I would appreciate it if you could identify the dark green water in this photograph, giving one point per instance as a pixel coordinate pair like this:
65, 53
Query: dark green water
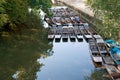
19, 54
31, 56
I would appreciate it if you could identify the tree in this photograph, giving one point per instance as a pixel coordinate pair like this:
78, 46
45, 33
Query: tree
42, 4
17, 10
108, 12
14, 13
3, 16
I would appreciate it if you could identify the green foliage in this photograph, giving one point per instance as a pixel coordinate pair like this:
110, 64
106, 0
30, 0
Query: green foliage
42, 4
3, 15
108, 12
14, 13
3, 19
16, 10
20, 53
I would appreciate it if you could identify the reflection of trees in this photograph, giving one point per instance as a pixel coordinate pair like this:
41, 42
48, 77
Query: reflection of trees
20, 53
97, 75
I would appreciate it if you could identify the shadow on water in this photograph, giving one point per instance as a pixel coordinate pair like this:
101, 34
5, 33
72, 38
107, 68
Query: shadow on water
19, 54
98, 74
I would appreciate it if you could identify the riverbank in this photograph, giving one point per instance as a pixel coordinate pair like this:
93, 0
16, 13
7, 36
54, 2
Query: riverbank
80, 5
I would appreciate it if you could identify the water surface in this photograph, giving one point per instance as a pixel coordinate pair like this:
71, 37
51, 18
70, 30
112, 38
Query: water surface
70, 61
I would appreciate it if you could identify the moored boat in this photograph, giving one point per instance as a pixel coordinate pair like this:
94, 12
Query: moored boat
72, 37
58, 35
104, 52
94, 33
78, 34
95, 54
86, 34
113, 72
110, 43
51, 34
65, 33
72, 34
115, 54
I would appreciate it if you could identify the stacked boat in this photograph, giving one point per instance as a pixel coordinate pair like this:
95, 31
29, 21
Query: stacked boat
66, 24
51, 34
110, 55
95, 54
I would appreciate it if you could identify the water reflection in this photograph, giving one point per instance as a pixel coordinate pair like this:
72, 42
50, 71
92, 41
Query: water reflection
19, 54
70, 61
98, 74
26, 58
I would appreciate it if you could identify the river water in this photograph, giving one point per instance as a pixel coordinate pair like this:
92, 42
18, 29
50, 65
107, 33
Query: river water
70, 61
30, 56
33, 57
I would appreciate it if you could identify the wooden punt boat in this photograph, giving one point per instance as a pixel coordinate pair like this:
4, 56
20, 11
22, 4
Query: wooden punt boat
65, 37
99, 40
104, 52
72, 37
94, 33
78, 34
95, 54
51, 34
107, 58
102, 47
86, 34
97, 36
65, 33
72, 34
113, 72
58, 35
48, 20
115, 54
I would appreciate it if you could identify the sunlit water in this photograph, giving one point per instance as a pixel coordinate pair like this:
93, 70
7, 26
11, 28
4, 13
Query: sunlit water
70, 61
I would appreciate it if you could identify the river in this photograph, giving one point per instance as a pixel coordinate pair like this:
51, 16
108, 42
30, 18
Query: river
30, 56
70, 61
35, 58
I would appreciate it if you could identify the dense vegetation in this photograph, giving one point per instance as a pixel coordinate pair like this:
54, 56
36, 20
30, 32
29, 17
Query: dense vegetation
108, 13
14, 13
